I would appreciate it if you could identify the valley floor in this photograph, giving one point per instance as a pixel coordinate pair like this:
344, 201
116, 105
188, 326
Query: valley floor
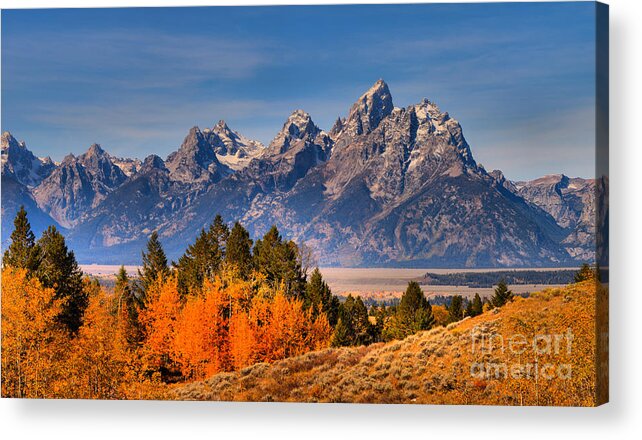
378, 284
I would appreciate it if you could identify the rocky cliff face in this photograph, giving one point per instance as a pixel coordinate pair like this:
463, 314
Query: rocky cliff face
20, 163
78, 185
195, 162
386, 186
571, 202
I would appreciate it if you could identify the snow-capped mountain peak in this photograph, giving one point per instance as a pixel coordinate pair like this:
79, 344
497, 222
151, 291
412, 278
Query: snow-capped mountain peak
231, 148
21, 163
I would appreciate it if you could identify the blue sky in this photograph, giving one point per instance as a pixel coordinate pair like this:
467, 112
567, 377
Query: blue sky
518, 77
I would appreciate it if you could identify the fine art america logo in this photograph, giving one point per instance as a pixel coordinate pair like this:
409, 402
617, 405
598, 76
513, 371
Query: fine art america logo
521, 356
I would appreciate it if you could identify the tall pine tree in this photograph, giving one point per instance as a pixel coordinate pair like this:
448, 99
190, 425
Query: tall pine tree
456, 308
279, 261
413, 314
23, 252
59, 270
154, 265
469, 308
477, 306
353, 326
239, 250
319, 297
203, 258
127, 308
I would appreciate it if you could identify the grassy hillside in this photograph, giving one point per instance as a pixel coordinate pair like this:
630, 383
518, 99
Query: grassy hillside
534, 351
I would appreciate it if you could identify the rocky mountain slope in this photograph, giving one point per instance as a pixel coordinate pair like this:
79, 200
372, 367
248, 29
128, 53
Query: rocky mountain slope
571, 202
386, 186
20, 163
456, 365
78, 185
21, 172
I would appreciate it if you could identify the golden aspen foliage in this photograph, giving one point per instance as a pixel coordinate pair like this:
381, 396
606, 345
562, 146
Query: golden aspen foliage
242, 340
441, 314
200, 341
32, 345
320, 332
99, 364
159, 321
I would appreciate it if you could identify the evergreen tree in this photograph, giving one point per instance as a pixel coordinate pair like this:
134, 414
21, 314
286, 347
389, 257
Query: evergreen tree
455, 309
342, 336
319, 297
502, 295
219, 233
127, 307
477, 306
239, 250
469, 309
353, 325
380, 314
59, 270
279, 261
154, 265
122, 288
360, 322
413, 314
203, 258
23, 252
585, 273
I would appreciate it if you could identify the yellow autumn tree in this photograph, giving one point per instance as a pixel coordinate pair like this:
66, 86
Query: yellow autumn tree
99, 363
320, 331
33, 346
282, 328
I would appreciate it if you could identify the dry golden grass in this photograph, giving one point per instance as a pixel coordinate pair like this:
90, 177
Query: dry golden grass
437, 366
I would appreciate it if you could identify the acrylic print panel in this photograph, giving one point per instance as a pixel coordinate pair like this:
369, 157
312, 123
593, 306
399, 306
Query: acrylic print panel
357, 252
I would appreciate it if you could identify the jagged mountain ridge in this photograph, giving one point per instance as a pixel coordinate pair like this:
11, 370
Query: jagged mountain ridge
571, 202
78, 185
20, 163
385, 186
385, 195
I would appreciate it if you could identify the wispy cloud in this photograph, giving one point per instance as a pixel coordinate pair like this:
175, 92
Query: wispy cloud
120, 58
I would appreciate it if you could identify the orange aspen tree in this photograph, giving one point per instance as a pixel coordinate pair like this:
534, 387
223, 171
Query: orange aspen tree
32, 344
260, 316
242, 341
215, 308
159, 320
201, 346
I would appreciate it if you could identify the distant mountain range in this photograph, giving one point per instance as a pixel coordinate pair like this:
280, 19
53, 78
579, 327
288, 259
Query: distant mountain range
386, 186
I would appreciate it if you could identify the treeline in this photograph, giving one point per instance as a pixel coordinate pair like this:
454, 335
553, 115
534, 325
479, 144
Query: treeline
489, 279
